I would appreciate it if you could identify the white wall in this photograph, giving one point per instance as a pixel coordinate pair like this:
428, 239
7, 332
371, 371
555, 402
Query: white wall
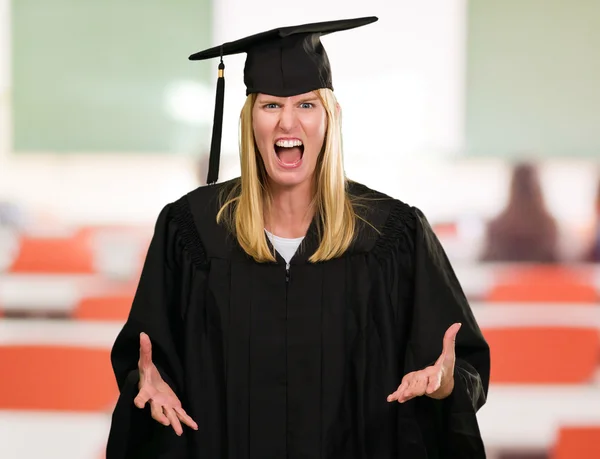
5, 31
400, 84
89, 188
399, 79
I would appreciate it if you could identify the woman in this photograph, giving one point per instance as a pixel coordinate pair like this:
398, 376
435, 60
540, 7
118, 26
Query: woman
592, 252
292, 313
525, 231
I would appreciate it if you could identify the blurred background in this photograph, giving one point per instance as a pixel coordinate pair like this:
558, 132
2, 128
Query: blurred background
484, 114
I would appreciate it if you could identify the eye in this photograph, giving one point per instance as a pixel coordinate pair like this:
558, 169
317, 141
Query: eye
271, 105
306, 105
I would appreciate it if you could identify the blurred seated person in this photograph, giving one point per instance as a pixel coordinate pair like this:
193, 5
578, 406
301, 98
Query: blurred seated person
524, 231
592, 254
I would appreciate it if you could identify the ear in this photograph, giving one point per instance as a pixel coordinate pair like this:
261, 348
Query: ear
338, 109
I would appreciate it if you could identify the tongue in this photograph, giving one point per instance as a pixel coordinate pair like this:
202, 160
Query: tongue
289, 155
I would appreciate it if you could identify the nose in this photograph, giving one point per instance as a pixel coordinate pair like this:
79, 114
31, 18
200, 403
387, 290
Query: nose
288, 118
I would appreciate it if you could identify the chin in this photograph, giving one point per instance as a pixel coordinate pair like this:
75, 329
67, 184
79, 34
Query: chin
289, 180
289, 177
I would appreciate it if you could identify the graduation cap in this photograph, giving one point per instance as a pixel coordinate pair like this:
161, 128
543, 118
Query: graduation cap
282, 62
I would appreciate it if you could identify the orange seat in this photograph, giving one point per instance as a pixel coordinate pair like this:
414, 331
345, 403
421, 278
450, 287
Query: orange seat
577, 443
65, 255
58, 378
445, 229
119, 247
544, 284
543, 355
114, 307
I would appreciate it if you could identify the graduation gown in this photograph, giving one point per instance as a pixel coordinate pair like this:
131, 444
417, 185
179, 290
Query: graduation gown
278, 364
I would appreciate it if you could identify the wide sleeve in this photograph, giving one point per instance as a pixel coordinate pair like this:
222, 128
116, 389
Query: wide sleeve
157, 310
438, 302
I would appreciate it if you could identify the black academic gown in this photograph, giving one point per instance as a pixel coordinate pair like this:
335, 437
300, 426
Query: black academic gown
298, 365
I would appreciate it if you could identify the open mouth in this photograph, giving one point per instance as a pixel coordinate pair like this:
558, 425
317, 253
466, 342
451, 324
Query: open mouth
289, 152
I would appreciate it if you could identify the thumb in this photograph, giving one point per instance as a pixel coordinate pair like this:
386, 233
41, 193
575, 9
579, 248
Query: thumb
145, 350
448, 352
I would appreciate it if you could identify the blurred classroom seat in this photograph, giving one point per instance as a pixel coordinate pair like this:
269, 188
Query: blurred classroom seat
64, 295
119, 250
543, 334
543, 354
577, 442
56, 377
104, 308
52, 434
523, 418
518, 283
445, 230
57, 389
54, 255
543, 284
114, 251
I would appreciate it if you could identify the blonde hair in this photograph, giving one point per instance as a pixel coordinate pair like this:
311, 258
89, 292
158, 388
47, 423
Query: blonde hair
244, 205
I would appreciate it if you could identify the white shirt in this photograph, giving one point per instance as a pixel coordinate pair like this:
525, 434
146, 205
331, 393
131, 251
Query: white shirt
286, 247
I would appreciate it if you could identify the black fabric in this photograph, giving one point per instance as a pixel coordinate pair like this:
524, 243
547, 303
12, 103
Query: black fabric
287, 60
299, 369
215, 143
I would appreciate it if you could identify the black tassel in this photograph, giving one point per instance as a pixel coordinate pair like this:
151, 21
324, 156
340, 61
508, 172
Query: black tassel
215, 144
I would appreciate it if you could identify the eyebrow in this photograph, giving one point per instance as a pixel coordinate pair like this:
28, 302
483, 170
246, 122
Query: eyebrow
279, 102
269, 101
309, 99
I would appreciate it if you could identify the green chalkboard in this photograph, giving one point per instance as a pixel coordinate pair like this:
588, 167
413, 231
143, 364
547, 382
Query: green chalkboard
110, 75
533, 78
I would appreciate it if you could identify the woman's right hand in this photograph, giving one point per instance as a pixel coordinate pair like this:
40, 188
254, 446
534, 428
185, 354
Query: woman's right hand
164, 404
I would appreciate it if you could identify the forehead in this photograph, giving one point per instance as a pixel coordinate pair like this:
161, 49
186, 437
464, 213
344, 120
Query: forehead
296, 98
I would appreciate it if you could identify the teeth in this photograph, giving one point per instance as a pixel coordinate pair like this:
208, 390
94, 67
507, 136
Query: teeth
289, 143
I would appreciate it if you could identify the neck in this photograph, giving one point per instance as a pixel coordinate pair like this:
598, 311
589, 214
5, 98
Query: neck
291, 211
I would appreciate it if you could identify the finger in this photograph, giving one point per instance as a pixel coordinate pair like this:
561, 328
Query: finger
185, 418
440, 359
416, 389
158, 414
409, 389
145, 350
142, 397
406, 382
401, 388
173, 420
449, 342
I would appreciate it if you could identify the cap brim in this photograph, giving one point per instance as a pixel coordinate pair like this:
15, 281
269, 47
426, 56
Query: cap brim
244, 44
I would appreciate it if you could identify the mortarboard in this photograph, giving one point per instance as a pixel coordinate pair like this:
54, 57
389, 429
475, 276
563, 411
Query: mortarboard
281, 62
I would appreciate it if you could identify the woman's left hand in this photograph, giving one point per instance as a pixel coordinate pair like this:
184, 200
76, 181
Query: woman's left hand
435, 381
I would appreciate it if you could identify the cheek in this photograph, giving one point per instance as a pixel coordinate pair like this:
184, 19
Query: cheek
262, 134
316, 130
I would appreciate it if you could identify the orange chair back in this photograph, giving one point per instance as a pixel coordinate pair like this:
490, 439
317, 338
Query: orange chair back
58, 378
543, 355
577, 443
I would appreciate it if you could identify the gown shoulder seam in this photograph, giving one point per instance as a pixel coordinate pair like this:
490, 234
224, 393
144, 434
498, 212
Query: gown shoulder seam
396, 233
183, 218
